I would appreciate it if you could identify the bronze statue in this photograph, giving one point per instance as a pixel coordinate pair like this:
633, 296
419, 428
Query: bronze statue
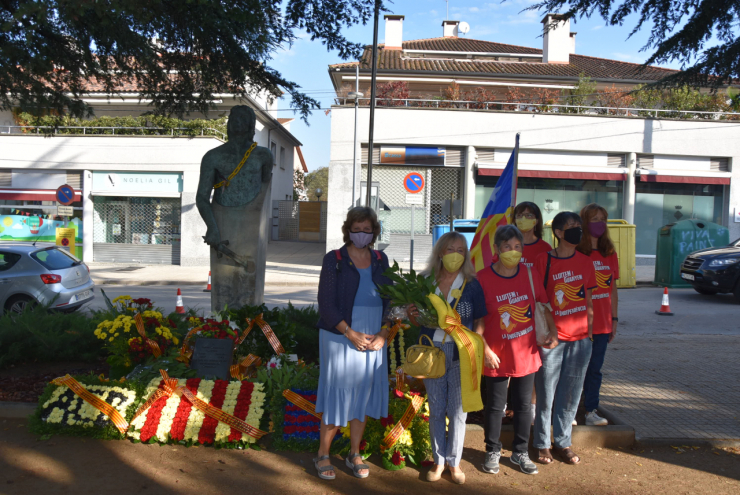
240, 173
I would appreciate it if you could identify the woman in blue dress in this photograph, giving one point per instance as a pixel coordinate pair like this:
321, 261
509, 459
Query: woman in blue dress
353, 382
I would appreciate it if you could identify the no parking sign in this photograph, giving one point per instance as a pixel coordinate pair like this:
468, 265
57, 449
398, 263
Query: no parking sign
413, 182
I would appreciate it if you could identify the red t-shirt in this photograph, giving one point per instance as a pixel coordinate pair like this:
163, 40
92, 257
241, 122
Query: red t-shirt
567, 284
607, 274
531, 251
510, 321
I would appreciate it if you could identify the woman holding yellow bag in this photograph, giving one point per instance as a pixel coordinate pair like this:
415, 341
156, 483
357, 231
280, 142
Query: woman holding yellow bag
450, 265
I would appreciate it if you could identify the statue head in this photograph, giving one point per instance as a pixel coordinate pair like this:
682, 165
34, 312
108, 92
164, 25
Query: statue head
241, 123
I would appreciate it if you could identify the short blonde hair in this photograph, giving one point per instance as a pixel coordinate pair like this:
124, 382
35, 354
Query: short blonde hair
361, 214
434, 265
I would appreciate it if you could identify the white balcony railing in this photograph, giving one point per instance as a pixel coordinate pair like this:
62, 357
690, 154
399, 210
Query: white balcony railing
540, 108
111, 131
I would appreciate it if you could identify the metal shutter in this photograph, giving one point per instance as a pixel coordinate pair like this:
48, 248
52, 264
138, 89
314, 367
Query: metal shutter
719, 164
150, 254
6, 178
485, 154
615, 160
74, 180
645, 161
376, 154
455, 157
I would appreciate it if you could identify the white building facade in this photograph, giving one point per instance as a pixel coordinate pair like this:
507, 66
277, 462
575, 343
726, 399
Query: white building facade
650, 170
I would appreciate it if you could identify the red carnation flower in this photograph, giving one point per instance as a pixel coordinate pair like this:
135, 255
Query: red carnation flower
397, 459
387, 421
398, 393
363, 444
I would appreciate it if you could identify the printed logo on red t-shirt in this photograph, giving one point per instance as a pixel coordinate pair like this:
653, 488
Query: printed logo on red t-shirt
512, 317
604, 278
566, 292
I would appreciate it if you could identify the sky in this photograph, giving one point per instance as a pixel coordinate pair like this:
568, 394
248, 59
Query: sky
306, 62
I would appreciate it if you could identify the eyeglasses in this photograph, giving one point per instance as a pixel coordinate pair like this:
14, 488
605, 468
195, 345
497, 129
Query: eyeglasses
528, 216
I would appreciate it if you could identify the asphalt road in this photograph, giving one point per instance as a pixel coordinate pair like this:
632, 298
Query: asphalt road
694, 314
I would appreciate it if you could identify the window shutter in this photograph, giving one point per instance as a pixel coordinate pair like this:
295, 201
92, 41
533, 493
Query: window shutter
719, 164
6, 178
376, 154
615, 160
454, 157
645, 161
74, 179
485, 154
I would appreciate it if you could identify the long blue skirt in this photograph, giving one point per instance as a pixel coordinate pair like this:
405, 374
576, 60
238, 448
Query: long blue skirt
352, 384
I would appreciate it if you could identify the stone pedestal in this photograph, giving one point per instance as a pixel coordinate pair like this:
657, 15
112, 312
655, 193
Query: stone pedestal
246, 229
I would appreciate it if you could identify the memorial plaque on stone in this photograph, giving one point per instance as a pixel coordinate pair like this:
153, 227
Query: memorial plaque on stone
212, 358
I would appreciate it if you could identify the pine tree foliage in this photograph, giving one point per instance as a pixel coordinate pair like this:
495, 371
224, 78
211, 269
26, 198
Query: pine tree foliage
180, 54
702, 35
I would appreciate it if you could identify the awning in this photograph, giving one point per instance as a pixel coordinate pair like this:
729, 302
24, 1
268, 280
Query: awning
559, 174
33, 194
679, 177
136, 194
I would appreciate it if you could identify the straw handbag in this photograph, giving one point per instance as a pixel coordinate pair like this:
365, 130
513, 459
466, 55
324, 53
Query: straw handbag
425, 361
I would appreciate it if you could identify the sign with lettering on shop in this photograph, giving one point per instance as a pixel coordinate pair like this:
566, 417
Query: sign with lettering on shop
130, 182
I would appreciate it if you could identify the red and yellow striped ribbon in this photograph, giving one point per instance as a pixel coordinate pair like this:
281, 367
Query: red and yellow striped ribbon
152, 345
186, 351
237, 370
455, 325
393, 331
392, 437
118, 421
271, 337
400, 375
170, 388
301, 402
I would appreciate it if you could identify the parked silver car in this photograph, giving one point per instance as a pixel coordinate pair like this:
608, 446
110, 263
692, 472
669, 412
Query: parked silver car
42, 274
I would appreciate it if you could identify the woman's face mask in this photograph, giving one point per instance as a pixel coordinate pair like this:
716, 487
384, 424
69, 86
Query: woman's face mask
573, 235
510, 258
597, 229
526, 224
453, 261
361, 239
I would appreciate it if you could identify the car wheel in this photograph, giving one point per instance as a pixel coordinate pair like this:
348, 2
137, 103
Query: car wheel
19, 304
706, 292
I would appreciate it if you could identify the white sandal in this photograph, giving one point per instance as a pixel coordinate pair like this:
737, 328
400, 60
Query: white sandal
323, 469
357, 467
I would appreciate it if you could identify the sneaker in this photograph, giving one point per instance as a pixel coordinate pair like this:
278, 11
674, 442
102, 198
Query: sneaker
524, 463
593, 419
490, 465
574, 423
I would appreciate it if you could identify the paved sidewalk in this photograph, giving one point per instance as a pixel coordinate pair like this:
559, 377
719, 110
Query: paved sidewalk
288, 263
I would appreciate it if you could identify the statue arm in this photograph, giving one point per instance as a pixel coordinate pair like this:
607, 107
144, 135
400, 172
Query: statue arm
203, 202
266, 166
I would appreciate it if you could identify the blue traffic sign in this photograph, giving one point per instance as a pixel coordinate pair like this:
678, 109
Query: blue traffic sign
413, 182
65, 195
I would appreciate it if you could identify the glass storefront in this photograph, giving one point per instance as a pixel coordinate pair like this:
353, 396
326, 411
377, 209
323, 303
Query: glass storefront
26, 220
556, 195
661, 203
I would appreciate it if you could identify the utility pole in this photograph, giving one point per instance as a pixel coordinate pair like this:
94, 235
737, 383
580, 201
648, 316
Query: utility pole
373, 78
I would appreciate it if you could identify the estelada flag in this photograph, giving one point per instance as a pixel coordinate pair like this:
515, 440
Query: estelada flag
498, 212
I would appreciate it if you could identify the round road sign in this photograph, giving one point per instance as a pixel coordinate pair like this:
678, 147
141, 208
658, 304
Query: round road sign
65, 242
413, 182
65, 195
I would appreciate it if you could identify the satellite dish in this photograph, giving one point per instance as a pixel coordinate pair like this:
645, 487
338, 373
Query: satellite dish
463, 27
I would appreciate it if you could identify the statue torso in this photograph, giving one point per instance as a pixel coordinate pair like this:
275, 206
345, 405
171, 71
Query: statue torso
246, 185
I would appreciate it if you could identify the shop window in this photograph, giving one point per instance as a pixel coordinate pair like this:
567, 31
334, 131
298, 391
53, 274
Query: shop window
660, 203
556, 195
121, 220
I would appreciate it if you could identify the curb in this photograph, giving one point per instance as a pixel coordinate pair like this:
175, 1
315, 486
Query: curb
690, 442
583, 436
16, 410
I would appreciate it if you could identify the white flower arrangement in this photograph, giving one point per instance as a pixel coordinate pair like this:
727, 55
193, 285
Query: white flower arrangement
65, 408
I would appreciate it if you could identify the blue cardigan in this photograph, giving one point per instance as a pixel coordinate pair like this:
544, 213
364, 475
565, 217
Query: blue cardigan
338, 286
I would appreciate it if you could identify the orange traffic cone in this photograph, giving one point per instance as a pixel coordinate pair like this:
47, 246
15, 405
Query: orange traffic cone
208, 287
665, 308
179, 308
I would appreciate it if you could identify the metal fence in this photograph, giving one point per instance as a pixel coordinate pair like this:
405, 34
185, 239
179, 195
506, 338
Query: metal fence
289, 221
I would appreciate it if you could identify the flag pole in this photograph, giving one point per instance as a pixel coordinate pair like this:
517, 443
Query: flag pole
514, 176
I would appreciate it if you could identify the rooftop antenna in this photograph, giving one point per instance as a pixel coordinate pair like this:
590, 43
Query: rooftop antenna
447, 3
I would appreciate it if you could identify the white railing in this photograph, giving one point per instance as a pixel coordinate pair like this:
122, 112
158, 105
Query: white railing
122, 130
537, 108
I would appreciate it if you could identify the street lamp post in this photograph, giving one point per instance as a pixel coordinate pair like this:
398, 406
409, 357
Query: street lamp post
373, 78
318, 193
356, 95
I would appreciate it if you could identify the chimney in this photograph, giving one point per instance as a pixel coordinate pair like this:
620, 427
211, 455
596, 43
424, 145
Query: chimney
573, 43
449, 29
393, 32
557, 44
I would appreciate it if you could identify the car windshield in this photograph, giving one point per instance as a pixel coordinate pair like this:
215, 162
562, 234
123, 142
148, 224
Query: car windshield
55, 259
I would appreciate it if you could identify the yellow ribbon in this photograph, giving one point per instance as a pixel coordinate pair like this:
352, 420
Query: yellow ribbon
237, 169
471, 348
301, 402
118, 421
237, 370
152, 345
266, 329
392, 437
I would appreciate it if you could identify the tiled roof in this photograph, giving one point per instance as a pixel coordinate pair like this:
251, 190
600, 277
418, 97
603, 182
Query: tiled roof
284, 121
596, 68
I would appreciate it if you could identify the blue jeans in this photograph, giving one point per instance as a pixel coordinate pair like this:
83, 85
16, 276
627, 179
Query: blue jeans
445, 401
592, 384
559, 384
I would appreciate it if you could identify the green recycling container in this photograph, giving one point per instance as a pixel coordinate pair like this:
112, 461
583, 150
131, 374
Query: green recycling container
678, 240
